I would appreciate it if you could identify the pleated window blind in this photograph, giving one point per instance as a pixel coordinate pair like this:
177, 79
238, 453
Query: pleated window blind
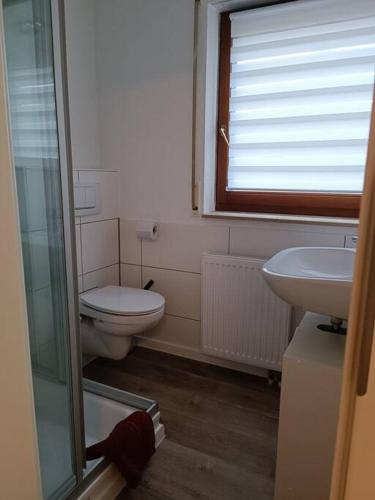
32, 95
300, 97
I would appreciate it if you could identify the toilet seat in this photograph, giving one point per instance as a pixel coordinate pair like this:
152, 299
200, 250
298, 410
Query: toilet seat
111, 315
132, 321
120, 301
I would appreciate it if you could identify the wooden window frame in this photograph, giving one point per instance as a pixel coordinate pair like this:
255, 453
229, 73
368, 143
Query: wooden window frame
281, 202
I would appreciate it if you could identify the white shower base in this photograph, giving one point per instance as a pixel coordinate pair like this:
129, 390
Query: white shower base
53, 417
101, 415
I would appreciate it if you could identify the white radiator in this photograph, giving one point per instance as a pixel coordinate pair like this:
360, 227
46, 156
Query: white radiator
242, 319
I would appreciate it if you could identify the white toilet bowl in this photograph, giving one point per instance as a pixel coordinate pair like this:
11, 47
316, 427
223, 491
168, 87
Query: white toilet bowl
112, 314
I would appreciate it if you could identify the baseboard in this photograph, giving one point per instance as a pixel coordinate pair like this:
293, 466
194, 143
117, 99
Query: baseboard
106, 486
196, 355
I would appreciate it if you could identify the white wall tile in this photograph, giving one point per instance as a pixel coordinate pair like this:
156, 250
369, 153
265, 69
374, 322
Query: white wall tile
179, 331
32, 199
44, 338
42, 316
101, 277
75, 180
182, 291
180, 246
263, 242
131, 275
36, 248
79, 249
130, 244
80, 284
99, 245
108, 193
47, 357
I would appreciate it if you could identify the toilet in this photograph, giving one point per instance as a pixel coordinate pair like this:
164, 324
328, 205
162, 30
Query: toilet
112, 314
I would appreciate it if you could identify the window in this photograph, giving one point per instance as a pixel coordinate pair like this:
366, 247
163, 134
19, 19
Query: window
295, 99
34, 131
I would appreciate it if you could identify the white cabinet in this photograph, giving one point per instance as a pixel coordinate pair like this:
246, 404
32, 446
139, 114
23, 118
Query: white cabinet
310, 395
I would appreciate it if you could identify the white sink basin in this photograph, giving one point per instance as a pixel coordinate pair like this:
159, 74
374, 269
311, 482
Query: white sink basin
316, 279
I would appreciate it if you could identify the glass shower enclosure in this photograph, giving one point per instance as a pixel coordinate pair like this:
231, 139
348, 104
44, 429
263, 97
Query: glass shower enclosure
39, 135
34, 32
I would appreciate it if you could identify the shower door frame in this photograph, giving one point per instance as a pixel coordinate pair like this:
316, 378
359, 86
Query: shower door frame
67, 190
73, 349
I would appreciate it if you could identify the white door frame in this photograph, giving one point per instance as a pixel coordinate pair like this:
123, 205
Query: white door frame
19, 471
353, 473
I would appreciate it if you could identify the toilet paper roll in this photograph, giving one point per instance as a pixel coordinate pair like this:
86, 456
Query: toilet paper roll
147, 231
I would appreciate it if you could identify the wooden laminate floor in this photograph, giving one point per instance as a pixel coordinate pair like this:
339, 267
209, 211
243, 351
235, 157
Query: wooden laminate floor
221, 427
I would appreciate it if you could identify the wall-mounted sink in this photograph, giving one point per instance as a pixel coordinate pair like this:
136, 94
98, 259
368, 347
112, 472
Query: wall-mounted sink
316, 279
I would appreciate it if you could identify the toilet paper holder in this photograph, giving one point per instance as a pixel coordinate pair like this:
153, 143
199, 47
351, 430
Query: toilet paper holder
147, 231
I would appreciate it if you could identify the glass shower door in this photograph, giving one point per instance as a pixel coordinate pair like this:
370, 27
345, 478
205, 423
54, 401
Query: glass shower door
36, 140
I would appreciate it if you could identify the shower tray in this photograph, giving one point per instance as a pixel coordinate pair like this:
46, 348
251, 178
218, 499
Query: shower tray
104, 407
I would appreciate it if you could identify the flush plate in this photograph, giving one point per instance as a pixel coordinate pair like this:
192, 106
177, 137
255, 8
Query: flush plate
86, 198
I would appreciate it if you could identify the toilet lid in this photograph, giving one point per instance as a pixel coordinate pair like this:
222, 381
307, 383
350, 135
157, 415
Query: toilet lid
123, 300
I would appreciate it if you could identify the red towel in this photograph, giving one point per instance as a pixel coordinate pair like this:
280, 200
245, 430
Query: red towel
130, 446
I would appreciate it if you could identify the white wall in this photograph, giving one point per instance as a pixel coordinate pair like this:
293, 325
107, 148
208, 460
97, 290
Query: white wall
80, 34
97, 236
144, 63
